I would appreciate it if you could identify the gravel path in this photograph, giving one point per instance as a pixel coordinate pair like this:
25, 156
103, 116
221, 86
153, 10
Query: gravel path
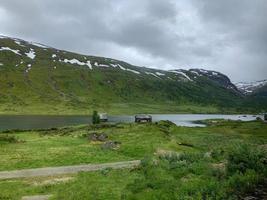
51, 171
37, 197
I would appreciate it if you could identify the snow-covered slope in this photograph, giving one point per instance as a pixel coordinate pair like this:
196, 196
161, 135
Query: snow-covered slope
250, 87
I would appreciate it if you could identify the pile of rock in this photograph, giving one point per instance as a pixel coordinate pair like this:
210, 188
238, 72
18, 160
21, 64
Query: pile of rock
111, 145
101, 137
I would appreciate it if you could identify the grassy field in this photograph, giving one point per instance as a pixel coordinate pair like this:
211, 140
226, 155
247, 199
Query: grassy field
113, 109
220, 161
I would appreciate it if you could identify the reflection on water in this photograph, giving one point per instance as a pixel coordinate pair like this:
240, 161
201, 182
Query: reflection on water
40, 122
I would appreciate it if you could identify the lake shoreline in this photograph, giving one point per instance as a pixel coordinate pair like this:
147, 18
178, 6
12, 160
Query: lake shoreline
42, 122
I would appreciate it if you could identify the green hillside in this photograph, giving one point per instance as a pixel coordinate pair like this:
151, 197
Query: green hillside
35, 79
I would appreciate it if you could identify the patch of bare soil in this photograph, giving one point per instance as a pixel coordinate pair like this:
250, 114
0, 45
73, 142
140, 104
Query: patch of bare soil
49, 180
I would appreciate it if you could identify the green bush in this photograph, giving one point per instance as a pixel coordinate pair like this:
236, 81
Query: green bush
173, 177
8, 139
95, 118
243, 183
245, 157
192, 176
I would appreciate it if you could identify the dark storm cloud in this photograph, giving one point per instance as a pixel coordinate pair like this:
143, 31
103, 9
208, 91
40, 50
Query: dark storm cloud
229, 36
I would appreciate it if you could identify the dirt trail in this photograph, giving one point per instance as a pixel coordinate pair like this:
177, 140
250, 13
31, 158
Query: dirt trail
37, 197
51, 171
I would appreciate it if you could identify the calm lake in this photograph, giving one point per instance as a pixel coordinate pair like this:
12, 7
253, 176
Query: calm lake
41, 121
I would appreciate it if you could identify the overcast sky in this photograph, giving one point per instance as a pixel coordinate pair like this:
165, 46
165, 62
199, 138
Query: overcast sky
229, 36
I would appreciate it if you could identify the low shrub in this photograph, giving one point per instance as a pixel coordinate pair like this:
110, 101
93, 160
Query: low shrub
192, 176
243, 157
243, 183
8, 139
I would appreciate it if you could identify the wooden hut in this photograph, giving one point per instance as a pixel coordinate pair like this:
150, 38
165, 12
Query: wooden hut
103, 117
143, 118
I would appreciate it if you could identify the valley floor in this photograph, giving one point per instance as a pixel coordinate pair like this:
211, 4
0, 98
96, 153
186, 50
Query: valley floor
225, 160
115, 109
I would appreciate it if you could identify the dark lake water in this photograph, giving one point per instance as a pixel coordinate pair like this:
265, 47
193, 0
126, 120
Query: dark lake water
41, 121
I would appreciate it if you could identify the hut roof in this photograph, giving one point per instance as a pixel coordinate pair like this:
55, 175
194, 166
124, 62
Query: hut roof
143, 116
103, 115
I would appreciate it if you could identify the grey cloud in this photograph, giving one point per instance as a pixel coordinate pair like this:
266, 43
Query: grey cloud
243, 21
243, 25
162, 10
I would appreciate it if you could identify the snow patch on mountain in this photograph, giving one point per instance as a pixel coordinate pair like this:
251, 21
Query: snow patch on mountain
18, 42
181, 73
103, 65
131, 70
160, 74
203, 71
100, 65
29, 67
150, 73
73, 61
88, 63
76, 61
39, 45
9, 49
31, 54
121, 67
118, 65
195, 72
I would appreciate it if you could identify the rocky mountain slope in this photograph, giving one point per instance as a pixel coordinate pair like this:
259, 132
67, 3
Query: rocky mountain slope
35, 78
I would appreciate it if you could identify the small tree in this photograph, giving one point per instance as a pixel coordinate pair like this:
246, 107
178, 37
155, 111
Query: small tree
95, 118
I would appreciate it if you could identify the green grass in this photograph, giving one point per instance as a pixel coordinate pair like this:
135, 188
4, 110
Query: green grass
55, 148
111, 108
181, 161
52, 149
97, 185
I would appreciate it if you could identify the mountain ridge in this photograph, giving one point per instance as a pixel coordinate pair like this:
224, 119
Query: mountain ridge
157, 72
78, 81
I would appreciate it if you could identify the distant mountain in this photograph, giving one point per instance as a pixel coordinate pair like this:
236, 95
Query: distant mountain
256, 94
35, 78
251, 87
